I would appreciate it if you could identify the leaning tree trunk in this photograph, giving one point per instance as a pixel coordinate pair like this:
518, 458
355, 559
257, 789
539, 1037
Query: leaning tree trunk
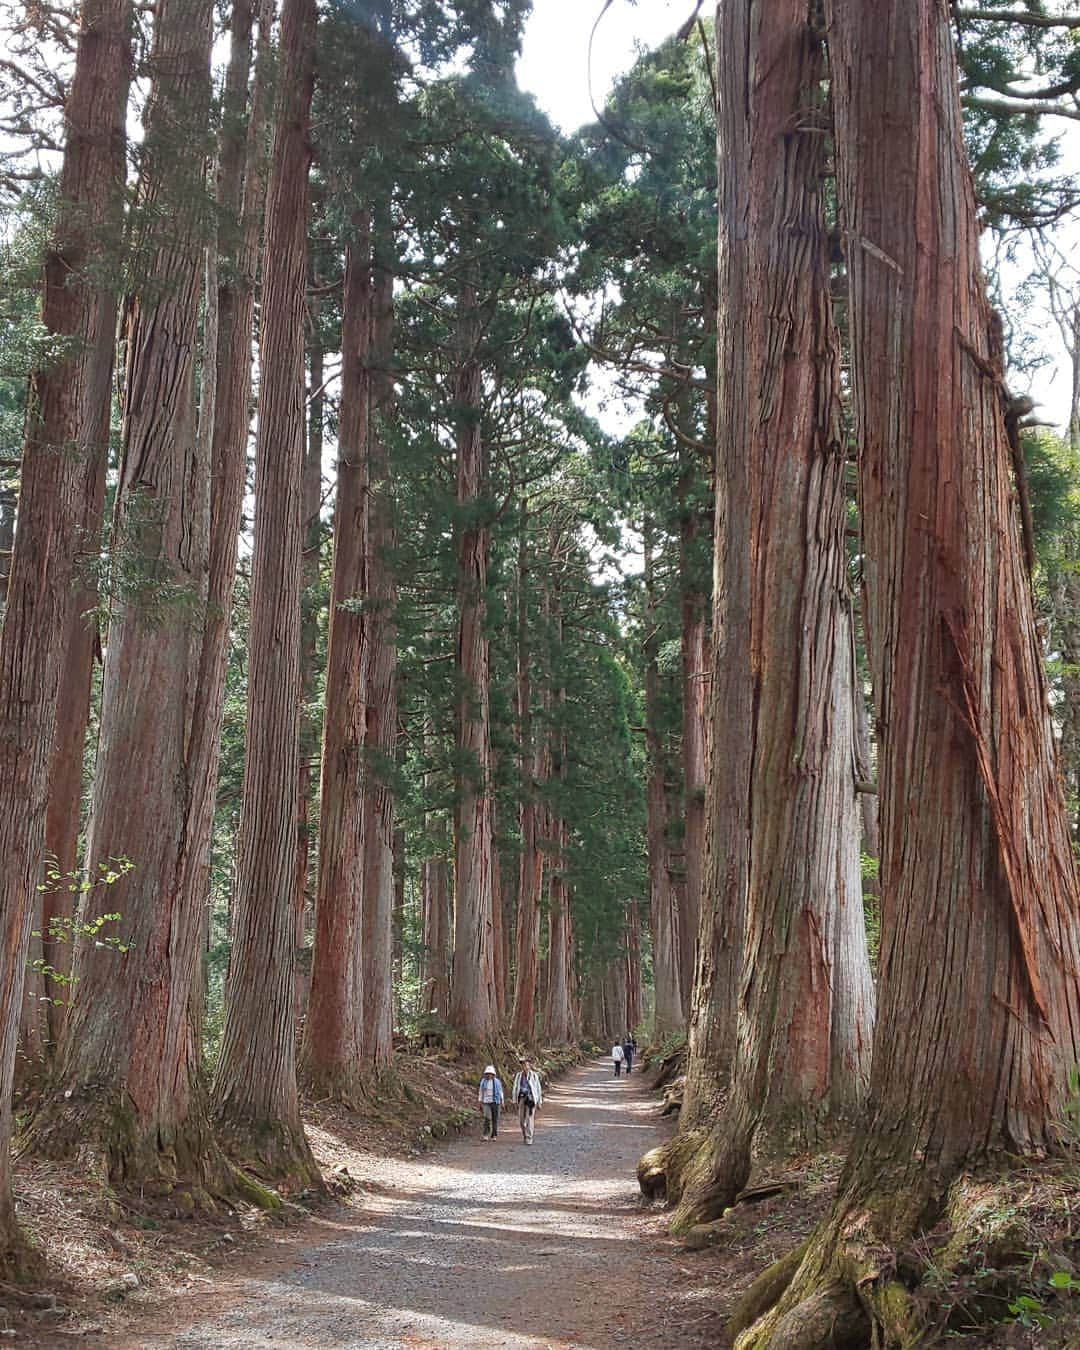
333, 1033
378, 660
255, 1093
979, 996
128, 1088
472, 997
64, 416
805, 1010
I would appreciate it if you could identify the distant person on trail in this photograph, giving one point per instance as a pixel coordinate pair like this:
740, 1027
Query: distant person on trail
490, 1098
629, 1046
526, 1092
617, 1058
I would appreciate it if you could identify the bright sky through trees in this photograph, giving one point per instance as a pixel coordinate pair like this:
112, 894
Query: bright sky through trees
555, 62
555, 66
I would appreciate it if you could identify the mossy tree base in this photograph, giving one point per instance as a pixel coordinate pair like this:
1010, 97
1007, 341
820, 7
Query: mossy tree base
180, 1167
879, 1271
272, 1153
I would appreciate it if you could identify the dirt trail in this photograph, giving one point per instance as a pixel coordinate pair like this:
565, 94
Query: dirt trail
489, 1244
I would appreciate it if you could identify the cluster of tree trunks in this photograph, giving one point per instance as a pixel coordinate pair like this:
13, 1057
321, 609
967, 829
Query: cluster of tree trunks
979, 988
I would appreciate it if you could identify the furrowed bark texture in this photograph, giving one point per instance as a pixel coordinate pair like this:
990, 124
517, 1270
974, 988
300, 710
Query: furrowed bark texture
255, 1093
438, 926
531, 859
63, 819
472, 997
64, 417
333, 1032
378, 659
711, 1033
978, 1017
663, 899
130, 1059
694, 668
979, 897
805, 1011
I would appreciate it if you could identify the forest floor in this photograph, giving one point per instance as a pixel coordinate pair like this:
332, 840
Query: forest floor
486, 1243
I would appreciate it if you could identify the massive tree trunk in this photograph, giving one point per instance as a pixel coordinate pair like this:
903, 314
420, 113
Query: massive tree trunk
979, 997
557, 1017
378, 660
531, 859
333, 1033
633, 967
64, 421
255, 1092
132, 1095
472, 998
694, 671
805, 1011
711, 1033
663, 898
63, 819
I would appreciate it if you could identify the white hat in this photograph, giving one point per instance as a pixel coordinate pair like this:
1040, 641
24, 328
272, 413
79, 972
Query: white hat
490, 1069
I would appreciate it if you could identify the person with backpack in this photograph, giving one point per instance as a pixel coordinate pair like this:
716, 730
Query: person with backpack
617, 1057
629, 1047
526, 1092
490, 1097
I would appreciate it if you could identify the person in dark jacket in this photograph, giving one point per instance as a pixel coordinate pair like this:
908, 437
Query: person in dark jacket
629, 1049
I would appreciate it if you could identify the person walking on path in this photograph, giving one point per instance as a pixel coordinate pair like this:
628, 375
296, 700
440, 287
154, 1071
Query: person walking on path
528, 1095
628, 1048
490, 1098
617, 1058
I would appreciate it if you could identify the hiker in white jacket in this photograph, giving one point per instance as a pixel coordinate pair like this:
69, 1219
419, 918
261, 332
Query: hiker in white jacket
528, 1095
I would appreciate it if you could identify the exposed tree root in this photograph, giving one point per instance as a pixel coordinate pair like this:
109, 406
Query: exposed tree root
272, 1153
662, 1171
764, 1293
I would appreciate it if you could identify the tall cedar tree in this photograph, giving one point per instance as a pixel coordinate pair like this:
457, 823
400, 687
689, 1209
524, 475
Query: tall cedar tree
979, 1001
255, 1090
805, 1007
334, 1030
66, 422
129, 1082
472, 993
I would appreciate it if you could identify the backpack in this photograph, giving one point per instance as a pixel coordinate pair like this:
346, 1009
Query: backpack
525, 1093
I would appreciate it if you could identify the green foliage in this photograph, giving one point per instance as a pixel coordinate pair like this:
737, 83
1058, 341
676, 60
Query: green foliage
63, 929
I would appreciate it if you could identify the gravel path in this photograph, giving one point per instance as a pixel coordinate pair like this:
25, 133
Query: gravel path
484, 1243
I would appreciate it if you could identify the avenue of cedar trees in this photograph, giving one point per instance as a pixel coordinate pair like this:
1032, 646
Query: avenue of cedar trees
360, 687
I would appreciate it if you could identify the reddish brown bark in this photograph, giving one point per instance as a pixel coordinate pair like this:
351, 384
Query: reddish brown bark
663, 895
633, 968
130, 1069
333, 1032
979, 996
378, 660
255, 1092
438, 925
530, 884
472, 997
694, 670
63, 418
805, 1005
972, 822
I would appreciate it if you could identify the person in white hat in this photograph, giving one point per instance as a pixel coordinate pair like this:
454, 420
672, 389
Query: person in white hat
490, 1097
